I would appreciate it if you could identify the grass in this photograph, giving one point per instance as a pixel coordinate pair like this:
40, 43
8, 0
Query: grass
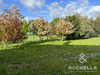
48, 58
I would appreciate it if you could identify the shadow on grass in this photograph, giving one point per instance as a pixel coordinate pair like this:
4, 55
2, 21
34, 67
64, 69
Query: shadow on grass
35, 45
43, 59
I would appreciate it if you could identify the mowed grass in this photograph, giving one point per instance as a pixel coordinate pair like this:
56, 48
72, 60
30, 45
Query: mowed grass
48, 58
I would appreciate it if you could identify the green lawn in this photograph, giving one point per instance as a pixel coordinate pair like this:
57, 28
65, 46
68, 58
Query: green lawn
48, 58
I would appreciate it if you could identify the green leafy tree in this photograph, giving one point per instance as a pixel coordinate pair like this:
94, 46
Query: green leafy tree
55, 21
86, 30
85, 27
29, 30
94, 26
75, 20
97, 25
25, 27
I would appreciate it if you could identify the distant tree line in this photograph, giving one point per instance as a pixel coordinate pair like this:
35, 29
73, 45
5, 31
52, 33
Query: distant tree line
71, 27
43, 28
85, 27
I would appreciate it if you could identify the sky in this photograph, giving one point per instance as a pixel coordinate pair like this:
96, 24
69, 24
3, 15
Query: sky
51, 9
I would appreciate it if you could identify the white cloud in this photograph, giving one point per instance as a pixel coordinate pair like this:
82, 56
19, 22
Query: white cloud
52, 6
43, 11
58, 11
69, 9
30, 18
82, 11
79, 6
61, 1
55, 4
32, 4
94, 11
54, 9
83, 2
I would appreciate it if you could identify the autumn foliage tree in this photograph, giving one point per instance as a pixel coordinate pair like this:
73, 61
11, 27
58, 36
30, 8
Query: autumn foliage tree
40, 27
11, 26
64, 28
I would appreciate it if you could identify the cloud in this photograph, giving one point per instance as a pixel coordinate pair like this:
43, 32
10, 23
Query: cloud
32, 4
43, 11
58, 11
82, 11
94, 11
52, 6
30, 18
69, 9
83, 2
79, 6
55, 4
54, 9
61, 1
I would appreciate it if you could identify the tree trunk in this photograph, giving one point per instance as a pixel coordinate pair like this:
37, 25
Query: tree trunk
61, 38
5, 45
41, 38
22, 42
47, 37
51, 37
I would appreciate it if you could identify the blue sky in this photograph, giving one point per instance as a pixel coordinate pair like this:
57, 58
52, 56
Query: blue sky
51, 9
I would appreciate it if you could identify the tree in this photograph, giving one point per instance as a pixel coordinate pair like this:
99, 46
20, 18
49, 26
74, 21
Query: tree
85, 27
52, 32
30, 22
97, 25
75, 20
25, 29
55, 21
85, 30
29, 30
40, 27
11, 26
64, 28
25, 26
48, 29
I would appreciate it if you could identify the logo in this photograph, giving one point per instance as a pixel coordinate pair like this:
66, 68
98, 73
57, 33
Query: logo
82, 68
82, 59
